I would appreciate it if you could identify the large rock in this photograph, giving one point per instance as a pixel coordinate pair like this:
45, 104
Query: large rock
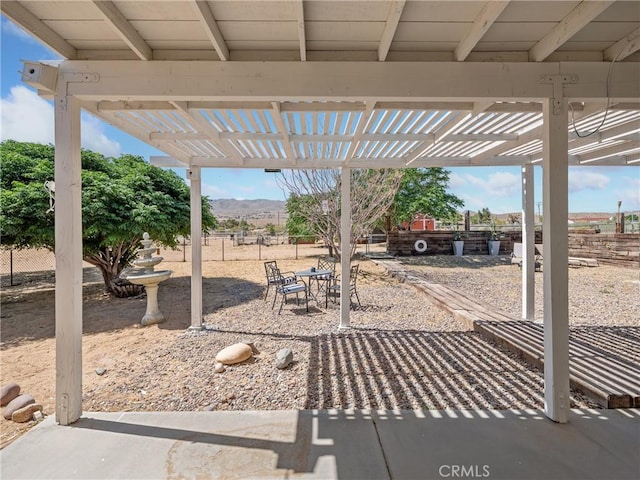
8, 393
25, 414
284, 357
236, 353
16, 404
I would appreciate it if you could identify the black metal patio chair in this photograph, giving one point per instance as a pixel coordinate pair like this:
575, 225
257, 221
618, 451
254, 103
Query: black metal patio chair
334, 288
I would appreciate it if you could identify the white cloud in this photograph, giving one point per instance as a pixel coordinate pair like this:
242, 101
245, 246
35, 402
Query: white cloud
213, 191
631, 196
583, 179
499, 184
456, 180
10, 28
26, 117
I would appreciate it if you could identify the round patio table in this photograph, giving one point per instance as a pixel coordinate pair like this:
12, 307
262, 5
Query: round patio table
318, 275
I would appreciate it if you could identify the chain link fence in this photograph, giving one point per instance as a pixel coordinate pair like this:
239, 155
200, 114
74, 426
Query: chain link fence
18, 267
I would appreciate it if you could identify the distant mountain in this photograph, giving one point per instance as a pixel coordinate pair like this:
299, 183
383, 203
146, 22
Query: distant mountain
230, 207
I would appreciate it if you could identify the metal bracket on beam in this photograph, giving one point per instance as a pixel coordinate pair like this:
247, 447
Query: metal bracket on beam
558, 81
81, 77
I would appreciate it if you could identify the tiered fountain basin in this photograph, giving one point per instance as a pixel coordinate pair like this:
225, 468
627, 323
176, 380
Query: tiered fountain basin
146, 275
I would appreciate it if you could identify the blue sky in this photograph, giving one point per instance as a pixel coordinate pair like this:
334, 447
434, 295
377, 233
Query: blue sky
26, 117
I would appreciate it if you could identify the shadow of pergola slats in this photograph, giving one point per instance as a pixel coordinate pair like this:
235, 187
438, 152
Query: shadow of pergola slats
418, 370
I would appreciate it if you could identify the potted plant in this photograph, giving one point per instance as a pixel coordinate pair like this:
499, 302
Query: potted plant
458, 242
494, 240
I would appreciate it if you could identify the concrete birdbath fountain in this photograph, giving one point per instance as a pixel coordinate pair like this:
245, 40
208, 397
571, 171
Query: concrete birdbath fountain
144, 274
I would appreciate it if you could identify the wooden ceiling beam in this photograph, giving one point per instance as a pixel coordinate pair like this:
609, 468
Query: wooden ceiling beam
124, 29
211, 28
489, 14
575, 21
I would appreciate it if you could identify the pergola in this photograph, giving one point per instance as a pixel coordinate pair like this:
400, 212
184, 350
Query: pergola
342, 85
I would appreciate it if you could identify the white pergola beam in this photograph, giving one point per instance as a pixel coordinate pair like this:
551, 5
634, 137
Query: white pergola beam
302, 37
618, 149
489, 14
68, 251
346, 81
367, 162
124, 29
208, 21
36, 27
166, 162
575, 21
623, 47
366, 137
390, 27
555, 272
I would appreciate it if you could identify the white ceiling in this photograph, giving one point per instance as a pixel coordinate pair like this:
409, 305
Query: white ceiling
365, 133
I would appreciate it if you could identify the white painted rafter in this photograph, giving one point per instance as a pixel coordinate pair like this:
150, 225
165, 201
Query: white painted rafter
211, 28
489, 14
359, 131
299, 10
211, 133
282, 128
623, 47
577, 19
32, 24
390, 27
134, 131
118, 22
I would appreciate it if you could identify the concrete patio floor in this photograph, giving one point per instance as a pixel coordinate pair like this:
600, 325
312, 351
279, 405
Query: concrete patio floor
429, 444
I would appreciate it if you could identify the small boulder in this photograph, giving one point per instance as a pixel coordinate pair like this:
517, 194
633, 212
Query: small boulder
284, 357
8, 393
25, 414
236, 353
101, 371
17, 403
219, 367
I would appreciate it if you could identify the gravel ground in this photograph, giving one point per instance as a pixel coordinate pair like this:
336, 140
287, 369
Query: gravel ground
598, 296
401, 353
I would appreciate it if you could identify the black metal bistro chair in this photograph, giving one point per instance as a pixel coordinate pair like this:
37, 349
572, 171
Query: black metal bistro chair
270, 268
334, 289
323, 281
285, 287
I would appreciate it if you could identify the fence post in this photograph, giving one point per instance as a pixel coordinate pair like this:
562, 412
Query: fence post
222, 248
259, 248
296, 248
184, 249
11, 266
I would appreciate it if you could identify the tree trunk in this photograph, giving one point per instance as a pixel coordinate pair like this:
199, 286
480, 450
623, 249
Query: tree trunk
111, 262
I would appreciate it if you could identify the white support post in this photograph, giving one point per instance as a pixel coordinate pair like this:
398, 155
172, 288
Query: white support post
68, 250
345, 247
528, 244
556, 275
196, 247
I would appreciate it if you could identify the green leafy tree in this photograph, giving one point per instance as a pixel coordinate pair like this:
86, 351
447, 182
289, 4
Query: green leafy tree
482, 216
424, 190
298, 225
121, 199
270, 228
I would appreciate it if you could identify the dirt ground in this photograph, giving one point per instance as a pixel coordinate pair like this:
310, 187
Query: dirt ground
112, 334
